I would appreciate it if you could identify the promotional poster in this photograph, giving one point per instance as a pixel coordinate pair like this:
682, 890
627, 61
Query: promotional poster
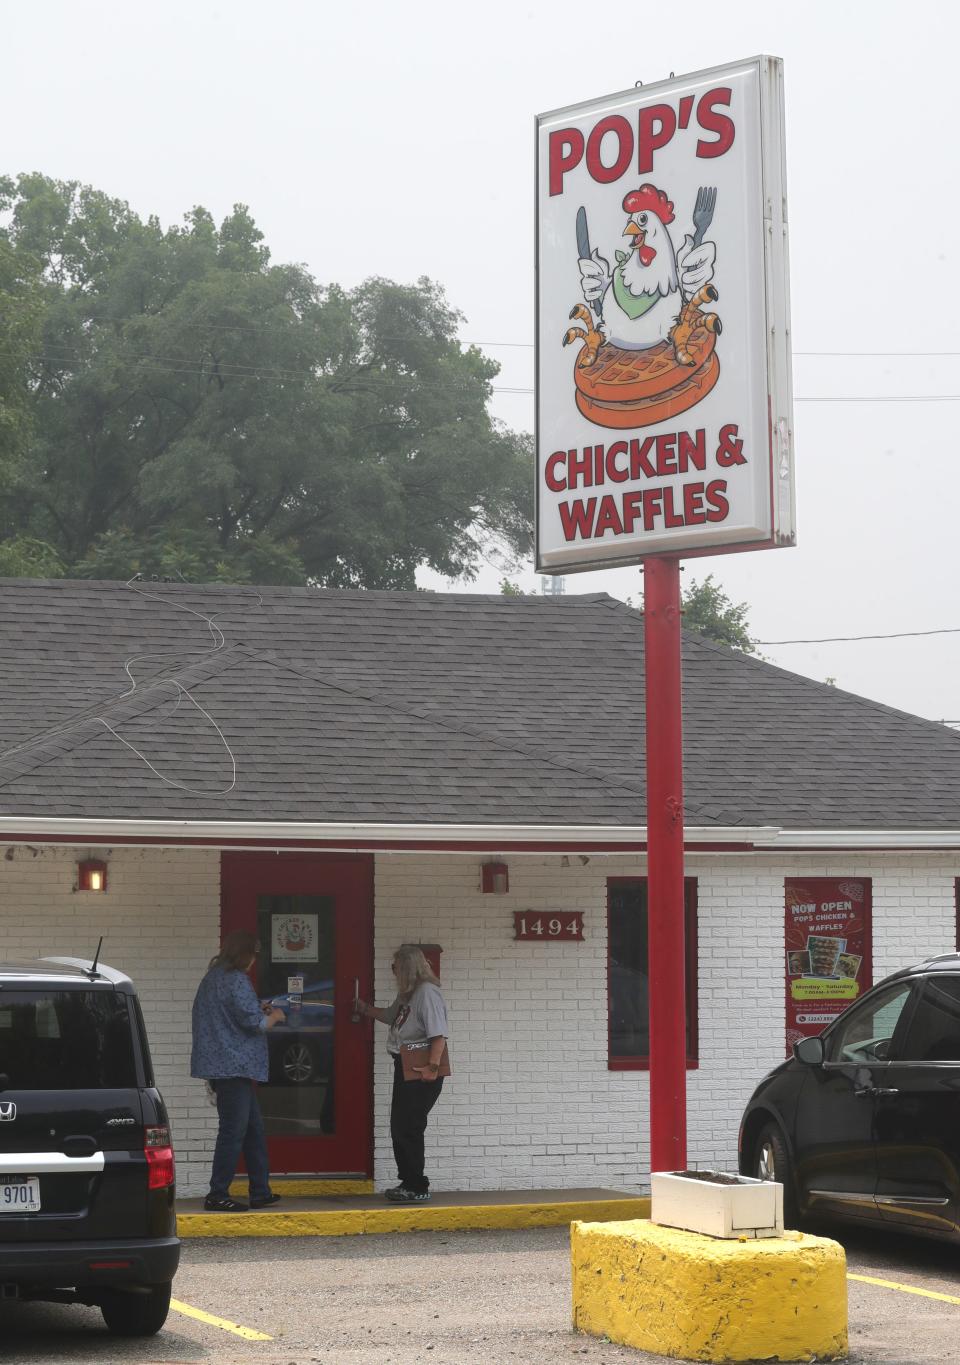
664, 405
828, 958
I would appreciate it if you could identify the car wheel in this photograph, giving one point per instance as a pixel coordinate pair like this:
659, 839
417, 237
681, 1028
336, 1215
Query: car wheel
138, 1314
771, 1161
298, 1064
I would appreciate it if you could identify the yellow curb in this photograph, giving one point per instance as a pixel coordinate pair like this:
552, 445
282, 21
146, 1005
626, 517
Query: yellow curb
224, 1324
692, 1297
433, 1218
308, 1187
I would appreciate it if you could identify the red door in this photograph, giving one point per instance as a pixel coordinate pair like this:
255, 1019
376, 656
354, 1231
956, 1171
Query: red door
313, 915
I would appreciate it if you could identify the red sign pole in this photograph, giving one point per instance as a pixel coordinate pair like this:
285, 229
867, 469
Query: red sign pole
665, 917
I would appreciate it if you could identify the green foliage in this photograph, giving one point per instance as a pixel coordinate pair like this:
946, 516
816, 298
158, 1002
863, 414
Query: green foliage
20, 310
708, 610
195, 409
508, 589
22, 557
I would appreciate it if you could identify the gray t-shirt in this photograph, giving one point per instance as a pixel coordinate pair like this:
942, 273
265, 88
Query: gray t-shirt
415, 1020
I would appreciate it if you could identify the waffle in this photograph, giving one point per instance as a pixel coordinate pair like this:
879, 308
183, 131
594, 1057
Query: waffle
687, 389
638, 388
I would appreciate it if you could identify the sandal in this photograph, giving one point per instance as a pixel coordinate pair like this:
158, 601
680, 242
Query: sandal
222, 1203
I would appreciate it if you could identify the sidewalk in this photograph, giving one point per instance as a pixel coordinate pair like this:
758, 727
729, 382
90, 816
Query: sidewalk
338, 1215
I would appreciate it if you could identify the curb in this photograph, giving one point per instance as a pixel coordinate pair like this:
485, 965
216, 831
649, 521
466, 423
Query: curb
308, 1187
341, 1222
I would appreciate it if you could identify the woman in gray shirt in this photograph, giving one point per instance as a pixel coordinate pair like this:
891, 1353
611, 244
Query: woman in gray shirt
417, 1015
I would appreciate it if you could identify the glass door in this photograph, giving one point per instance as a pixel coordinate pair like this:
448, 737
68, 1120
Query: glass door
313, 916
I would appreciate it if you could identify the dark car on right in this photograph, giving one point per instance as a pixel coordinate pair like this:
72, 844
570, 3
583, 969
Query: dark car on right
863, 1122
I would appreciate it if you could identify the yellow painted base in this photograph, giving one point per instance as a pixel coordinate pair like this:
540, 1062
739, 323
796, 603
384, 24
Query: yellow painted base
340, 1222
682, 1294
306, 1186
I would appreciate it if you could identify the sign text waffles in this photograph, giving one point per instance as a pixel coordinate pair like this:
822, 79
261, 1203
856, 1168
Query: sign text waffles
662, 292
692, 503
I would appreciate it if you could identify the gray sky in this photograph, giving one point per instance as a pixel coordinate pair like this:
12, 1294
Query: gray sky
397, 140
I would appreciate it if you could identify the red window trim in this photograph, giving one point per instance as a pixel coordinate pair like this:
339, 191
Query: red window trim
642, 1063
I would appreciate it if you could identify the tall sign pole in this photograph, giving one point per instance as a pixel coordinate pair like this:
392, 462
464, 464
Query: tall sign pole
664, 407
665, 898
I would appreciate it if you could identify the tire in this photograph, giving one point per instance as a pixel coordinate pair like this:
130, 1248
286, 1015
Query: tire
298, 1063
140, 1314
771, 1161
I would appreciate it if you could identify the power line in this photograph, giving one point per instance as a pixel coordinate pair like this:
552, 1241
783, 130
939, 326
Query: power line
840, 639
241, 370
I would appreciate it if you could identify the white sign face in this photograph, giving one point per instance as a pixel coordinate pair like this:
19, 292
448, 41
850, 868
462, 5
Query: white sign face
664, 403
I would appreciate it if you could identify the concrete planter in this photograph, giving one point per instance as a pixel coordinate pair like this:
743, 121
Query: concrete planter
717, 1204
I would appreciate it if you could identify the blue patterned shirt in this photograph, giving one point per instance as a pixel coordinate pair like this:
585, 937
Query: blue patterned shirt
229, 1029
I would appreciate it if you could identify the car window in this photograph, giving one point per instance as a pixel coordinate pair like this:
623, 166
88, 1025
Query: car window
66, 1040
934, 1032
864, 1034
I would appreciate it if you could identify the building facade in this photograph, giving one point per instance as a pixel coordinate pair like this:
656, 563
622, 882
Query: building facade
536, 1099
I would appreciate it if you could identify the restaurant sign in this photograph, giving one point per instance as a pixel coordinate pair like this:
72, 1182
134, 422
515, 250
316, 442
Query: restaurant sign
664, 404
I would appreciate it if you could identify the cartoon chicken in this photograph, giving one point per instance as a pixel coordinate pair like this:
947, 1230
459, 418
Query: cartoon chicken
649, 353
640, 300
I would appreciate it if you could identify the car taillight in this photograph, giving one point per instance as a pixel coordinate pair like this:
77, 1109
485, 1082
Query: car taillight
159, 1154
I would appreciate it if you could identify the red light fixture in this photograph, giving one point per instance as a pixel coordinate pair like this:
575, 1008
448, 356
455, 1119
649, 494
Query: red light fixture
92, 875
494, 878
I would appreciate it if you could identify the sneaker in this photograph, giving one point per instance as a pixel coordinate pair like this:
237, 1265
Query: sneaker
394, 1193
222, 1203
405, 1196
266, 1201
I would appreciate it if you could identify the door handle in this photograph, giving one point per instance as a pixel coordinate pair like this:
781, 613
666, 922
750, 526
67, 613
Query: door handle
874, 1091
355, 1016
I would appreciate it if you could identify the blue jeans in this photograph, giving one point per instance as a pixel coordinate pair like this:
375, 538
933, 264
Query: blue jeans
241, 1130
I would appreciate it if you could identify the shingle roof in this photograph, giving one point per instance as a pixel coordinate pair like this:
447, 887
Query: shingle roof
423, 708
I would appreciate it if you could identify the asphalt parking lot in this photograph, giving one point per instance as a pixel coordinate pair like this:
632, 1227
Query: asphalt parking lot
447, 1298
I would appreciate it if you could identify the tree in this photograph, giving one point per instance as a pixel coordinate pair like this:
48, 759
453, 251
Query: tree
708, 610
20, 305
197, 409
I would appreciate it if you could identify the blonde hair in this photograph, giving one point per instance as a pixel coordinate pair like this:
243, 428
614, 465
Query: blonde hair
412, 969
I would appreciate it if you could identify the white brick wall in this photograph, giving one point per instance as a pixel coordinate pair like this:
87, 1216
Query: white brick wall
531, 1102
160, 919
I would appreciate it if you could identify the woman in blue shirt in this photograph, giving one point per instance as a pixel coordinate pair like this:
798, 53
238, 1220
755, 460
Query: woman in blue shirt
230, 1051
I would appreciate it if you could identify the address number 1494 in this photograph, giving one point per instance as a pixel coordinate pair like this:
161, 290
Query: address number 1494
527, 925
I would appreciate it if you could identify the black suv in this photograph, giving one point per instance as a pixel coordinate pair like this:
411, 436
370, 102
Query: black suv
86, 1166
863, 1122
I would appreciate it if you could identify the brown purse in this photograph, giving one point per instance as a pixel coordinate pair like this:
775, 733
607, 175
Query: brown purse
414, 1055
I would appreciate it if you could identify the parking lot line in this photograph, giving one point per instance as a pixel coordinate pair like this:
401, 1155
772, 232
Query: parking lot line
189, 1311
906, 1288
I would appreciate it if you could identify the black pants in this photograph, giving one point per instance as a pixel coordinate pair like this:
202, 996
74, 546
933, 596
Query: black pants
409, 1107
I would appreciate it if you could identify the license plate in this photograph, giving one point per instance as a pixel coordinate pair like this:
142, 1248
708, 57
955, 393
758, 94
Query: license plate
20, 1196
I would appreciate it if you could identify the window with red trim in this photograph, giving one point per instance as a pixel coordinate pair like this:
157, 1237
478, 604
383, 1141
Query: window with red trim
628, 1021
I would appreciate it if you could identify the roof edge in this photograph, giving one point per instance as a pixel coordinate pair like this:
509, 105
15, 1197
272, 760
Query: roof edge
362, 835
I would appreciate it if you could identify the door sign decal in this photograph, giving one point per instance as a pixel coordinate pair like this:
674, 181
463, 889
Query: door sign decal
293, 938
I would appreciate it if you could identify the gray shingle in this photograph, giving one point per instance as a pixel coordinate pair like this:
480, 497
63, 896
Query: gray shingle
421, 708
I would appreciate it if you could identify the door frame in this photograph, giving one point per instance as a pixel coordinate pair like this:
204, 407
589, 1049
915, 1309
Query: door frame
236, 868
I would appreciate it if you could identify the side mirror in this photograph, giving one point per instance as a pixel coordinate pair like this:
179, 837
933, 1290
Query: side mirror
809, 1051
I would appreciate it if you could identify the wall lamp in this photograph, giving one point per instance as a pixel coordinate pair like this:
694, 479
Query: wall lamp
494, 878
92, 875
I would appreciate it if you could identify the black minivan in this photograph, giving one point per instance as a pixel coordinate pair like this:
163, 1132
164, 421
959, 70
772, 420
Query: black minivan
863, 1122
86, 1166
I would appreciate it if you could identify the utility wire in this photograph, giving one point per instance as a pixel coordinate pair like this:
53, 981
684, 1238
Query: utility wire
842, 639
240, 370
463, 341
